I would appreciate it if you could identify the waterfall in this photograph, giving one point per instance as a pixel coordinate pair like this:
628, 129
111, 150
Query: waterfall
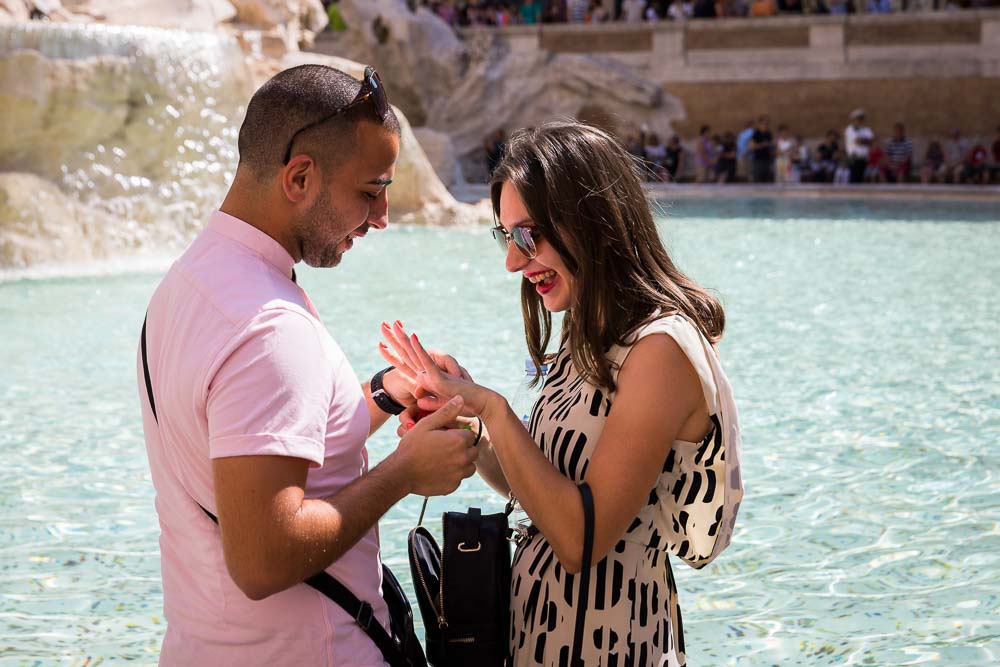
114, 140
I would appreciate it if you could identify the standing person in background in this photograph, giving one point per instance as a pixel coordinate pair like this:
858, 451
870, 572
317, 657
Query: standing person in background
633, 10
976, 169
725, 165
762, 152
251, 411
783, 158
656, 155
704, 156
955, 151
934, 168
857, 142
743, 155
829, 156
875, 171
673, 162
576, 11
531, 12
995, 152
899, 155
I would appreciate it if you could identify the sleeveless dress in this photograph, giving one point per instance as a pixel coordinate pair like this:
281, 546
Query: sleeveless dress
633, 618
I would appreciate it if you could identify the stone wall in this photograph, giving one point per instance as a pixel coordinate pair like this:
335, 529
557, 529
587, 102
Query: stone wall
934, 71
929, 107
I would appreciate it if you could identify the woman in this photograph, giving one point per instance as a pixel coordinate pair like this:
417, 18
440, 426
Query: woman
636, 405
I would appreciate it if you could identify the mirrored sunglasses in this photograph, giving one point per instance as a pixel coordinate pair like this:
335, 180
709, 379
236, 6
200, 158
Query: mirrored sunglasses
521, 236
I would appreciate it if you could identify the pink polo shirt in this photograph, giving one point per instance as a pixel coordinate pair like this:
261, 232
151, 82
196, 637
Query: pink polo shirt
242, 366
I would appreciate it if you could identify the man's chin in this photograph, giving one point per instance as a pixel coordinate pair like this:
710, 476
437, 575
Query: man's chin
325, 262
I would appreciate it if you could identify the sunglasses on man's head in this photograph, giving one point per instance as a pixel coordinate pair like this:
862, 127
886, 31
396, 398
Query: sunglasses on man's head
523, 238
371, 89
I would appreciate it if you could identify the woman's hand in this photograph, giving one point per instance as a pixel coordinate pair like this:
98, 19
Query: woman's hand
434, 382
401, 384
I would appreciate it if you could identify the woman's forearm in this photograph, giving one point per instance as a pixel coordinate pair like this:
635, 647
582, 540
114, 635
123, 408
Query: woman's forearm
551, 500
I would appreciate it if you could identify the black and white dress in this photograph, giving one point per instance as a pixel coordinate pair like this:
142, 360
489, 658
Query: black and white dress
633, 617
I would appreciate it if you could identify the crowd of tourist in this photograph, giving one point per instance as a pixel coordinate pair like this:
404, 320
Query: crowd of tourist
529, 12
757, 155
855, 155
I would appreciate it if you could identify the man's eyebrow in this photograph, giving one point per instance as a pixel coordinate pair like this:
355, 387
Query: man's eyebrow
380, 181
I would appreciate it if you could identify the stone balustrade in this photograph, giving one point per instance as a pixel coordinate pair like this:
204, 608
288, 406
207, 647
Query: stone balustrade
784, 45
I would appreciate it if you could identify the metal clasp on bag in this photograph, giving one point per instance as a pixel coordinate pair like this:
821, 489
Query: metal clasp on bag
466, 550
519, 533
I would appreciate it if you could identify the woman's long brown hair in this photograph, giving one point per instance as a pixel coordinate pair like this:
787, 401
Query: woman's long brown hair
584, 195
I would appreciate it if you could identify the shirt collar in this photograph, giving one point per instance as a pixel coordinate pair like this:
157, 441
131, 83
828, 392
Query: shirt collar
246, 234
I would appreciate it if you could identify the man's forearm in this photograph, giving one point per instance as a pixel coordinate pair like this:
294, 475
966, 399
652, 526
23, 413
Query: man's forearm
323, 530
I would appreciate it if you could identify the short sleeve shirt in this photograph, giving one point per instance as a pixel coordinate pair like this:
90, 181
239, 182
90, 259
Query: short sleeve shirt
241, 365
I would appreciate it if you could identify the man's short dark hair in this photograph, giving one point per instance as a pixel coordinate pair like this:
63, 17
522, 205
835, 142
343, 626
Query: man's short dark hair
294, 98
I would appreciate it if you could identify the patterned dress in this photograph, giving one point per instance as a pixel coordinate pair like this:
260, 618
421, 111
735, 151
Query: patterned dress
633, 617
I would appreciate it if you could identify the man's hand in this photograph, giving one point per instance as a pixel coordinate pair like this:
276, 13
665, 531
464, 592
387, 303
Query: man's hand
436, 458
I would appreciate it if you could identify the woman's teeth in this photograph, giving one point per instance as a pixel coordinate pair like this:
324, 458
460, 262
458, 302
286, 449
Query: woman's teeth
541, 277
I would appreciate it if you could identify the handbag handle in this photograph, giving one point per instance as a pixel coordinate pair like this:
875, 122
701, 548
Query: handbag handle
588, 551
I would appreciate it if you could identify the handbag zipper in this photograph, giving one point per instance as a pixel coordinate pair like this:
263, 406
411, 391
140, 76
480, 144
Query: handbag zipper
442, 622
423, 582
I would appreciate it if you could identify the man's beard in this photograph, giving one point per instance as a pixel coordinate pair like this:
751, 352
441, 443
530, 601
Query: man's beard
313, 231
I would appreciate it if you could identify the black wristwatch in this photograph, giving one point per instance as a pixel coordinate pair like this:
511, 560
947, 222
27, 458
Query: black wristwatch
383, 400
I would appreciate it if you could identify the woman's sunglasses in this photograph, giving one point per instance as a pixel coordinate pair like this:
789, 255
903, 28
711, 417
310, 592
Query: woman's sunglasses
371, 89
523, 238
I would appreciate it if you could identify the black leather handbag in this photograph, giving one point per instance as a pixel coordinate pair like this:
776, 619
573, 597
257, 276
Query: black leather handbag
463, 591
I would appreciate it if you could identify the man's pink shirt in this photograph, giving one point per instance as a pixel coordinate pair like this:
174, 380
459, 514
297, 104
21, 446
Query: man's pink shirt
241, 365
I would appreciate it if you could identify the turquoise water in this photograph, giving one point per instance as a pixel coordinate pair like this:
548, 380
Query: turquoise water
861, 341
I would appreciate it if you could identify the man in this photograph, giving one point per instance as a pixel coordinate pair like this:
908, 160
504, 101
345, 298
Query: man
257, 416
743, 146
632, 10
828, 156
762, 153
899, 151
995, 151
857, 142
956, 150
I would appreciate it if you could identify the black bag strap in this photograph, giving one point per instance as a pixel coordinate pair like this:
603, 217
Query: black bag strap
360, 610
145, 371
322, 581
588, 551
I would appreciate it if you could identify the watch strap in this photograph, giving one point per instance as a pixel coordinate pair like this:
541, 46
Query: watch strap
383, 400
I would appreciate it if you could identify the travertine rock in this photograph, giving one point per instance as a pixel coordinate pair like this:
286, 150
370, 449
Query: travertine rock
188, 15
445, 84
39, 223
416, 52
13, 11
440, 153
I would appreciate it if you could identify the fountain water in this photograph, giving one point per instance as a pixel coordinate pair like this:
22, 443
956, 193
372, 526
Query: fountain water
114, 139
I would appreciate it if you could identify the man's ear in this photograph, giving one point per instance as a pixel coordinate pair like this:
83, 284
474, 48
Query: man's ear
297, 177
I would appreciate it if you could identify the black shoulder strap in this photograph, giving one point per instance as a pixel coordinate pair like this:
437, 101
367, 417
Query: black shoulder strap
322, 581
359, 610
145, 371
588, 551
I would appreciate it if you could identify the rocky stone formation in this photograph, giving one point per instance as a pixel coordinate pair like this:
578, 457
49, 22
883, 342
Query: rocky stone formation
440, 153
442, 82
415, 51
40, 224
